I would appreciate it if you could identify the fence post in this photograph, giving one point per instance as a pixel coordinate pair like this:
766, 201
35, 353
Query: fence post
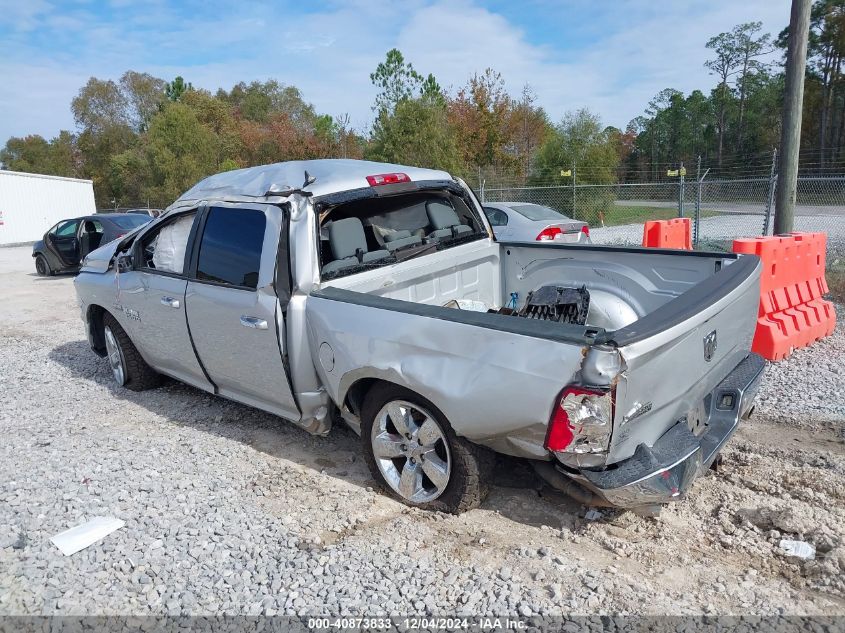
697, 218
573, 191
770, 200
681, 190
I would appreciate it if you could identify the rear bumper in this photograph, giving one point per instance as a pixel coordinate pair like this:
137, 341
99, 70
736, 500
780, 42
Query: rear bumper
665, 471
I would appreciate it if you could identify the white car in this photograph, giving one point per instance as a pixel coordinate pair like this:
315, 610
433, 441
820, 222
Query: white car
528, 222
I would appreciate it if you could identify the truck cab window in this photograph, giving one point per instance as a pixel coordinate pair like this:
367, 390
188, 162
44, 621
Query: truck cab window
230, 249
367, 233
165, 249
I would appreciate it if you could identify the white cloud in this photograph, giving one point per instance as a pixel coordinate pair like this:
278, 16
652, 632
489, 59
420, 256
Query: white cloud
623, 54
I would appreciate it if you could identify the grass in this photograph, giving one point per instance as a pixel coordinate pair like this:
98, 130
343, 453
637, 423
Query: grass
835, 276
639, 214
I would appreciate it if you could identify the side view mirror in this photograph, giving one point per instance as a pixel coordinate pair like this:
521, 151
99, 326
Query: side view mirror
124, 263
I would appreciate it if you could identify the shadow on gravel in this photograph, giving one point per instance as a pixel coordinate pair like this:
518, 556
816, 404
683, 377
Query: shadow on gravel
517, 491
55, 277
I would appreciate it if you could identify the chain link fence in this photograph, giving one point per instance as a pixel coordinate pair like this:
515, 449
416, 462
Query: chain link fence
721, 209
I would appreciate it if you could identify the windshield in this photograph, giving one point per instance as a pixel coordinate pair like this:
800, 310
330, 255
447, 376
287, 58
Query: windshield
131, 221
537, 212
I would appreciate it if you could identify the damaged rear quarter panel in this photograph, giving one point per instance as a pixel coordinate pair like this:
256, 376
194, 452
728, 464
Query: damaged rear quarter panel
496, 388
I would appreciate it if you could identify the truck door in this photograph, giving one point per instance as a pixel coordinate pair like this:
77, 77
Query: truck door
233, 311
151, 301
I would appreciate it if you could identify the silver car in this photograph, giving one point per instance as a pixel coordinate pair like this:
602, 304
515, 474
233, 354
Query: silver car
529, 222
373, 295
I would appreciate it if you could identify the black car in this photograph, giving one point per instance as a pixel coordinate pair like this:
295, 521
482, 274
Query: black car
66, 244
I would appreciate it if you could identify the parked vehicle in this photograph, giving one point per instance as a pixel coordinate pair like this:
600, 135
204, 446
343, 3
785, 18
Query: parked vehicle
528, 222
372, 293
67, 243
153, 213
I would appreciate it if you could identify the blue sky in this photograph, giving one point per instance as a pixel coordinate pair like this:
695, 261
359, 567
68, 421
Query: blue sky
609, 56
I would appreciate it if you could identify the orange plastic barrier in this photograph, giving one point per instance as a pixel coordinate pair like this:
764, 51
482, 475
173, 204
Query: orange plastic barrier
792, 313
668, 234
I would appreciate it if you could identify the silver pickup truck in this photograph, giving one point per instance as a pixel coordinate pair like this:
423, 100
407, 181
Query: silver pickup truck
376, 294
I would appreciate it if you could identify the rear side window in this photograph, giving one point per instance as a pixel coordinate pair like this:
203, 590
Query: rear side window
230, 250
497, 217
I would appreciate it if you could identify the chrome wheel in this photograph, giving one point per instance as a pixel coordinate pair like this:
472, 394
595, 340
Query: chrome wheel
411, 451
115, 357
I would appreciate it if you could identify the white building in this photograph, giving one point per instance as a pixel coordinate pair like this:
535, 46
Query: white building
32, 203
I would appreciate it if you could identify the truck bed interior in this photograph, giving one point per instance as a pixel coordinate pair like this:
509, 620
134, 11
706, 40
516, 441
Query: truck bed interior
429, 247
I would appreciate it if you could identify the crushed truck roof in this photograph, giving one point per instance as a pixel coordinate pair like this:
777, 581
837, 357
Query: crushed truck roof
330, 176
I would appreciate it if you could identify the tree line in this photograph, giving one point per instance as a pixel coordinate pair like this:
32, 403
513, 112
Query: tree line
143, 140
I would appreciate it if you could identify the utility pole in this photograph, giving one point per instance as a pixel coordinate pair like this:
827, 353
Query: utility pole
793, 100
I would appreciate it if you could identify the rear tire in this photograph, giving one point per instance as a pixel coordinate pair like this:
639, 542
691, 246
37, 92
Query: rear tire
42, 266
129, 369
425, 464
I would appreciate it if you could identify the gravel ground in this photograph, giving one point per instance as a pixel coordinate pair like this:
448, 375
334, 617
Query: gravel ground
230, 510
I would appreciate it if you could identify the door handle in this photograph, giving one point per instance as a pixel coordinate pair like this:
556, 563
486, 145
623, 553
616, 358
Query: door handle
170, 302
254, 322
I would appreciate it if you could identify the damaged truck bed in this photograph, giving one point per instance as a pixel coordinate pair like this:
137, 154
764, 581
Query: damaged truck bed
377, 295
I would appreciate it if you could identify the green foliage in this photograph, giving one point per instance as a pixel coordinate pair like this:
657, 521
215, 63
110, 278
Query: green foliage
578, 140
417, 133
35, 155
259, 101
177, 88
99, 105
580, 143
398, 81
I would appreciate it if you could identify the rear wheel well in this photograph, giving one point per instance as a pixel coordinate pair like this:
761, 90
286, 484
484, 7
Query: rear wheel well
357, 393
94, 323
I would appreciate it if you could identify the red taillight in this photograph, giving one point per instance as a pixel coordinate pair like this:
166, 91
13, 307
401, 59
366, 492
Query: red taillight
549, 234
585, 230
387, 179
589, 431
559, 435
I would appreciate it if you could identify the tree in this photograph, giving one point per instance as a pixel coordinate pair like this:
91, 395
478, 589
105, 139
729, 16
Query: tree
144, 95
532, 126
177, 151
481, 115
217, 116
176, 88
578, 140
749, 47
724, 66
34, 154
398, 81
100, 105
417, 133
259, 101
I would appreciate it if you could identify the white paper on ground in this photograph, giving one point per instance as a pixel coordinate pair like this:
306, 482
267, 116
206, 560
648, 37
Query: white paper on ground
79, 537
798, 548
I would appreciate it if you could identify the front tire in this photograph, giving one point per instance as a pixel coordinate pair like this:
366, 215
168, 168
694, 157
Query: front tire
129, 369
42, 266
413, 452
